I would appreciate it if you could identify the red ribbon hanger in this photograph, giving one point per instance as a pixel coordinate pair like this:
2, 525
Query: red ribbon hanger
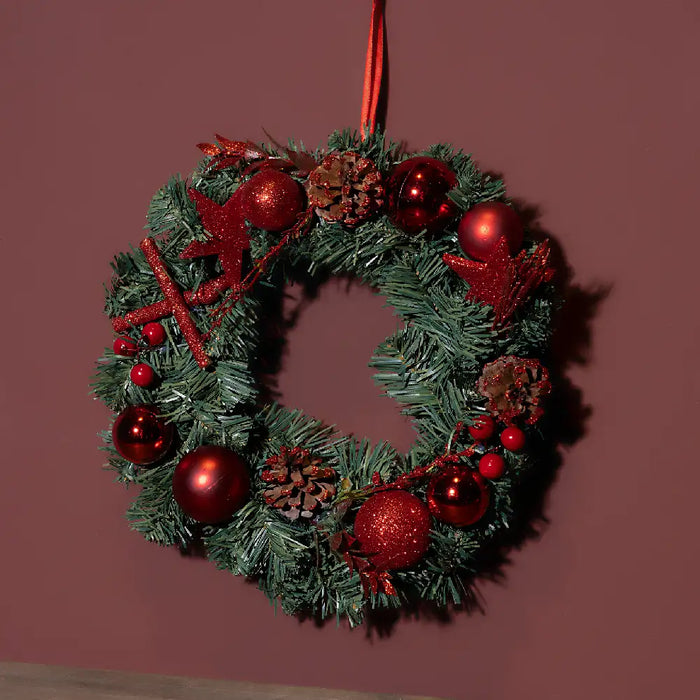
373, 69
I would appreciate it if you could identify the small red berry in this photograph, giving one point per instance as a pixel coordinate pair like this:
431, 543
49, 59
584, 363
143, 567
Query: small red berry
482, 428
513, 439
153, 333
142, 375
124, 346
491, 466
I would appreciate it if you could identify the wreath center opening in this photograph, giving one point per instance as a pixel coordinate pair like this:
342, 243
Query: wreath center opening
324, 368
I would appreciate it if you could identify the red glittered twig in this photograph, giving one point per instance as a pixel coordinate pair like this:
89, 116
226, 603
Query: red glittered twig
259, 268
176, 301
419, 473
204, 294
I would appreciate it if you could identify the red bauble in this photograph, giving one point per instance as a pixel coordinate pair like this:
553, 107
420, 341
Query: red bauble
492, 466
482, 428
142, 375
416, 195
458, 495
153, 333
211, 483
124, 346
513, 439
393, 527
272, 200
141, 435
484, 225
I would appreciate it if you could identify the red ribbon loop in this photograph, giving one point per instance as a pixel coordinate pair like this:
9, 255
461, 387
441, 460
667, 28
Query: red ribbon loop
373, 69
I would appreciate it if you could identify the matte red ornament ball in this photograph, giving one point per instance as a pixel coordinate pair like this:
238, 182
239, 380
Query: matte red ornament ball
484, 225
492, 466
416, 195
458, 495
141, 435
271, 200
513, 439
211, 483
142, 375
153, 333
393, 527
482, 428
124, 346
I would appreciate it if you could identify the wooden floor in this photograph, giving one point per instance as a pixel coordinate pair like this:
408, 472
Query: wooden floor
35, 682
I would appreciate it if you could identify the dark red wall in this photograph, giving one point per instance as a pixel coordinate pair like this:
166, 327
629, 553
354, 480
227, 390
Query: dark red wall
590, 109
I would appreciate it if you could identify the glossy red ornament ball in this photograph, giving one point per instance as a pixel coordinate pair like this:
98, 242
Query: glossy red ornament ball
124, 346
142, 375
482, 428
153, 333
513, 439
484, 225
140, 434
492, 466
393, 527
416, 195
272, 200
211, 483
458, 495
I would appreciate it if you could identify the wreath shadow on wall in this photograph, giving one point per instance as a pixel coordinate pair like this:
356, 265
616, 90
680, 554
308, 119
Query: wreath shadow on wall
565, 420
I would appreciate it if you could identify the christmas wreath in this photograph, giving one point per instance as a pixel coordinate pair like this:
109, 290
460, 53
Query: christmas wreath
326, 523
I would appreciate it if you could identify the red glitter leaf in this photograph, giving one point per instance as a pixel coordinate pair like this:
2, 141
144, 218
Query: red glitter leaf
245, 149
223, 161
304, 162
348, 560
209, 149
388, 585
274, 163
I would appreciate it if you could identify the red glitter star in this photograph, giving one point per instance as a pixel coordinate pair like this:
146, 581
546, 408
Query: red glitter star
229, 234
501, 281
488, 280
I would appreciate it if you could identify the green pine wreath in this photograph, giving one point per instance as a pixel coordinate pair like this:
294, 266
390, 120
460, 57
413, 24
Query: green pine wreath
455, 365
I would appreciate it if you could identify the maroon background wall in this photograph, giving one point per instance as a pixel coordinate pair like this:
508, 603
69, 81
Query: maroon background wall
590, 109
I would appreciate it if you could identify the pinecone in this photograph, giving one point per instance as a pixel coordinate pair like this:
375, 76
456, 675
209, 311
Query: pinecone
299, 485
345, 187
515, 387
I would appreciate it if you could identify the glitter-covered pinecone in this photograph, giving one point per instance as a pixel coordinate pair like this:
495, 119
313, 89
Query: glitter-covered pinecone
345, 187
515, 388
298, 484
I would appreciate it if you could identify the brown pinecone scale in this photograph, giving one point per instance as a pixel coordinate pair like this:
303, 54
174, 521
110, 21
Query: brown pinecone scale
345, 187
515, 388
298, 483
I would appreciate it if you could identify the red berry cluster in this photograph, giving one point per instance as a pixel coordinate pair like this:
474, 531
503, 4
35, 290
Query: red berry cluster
153, 334
512, 438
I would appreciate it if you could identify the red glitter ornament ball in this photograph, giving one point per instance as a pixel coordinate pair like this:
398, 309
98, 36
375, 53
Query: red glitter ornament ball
492, 466
484, 225
416, 195
458, 495
482, 428
513, 439
141, 435
142, 375
124, 346
272, 200
393, 527
211, 483
153, 333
